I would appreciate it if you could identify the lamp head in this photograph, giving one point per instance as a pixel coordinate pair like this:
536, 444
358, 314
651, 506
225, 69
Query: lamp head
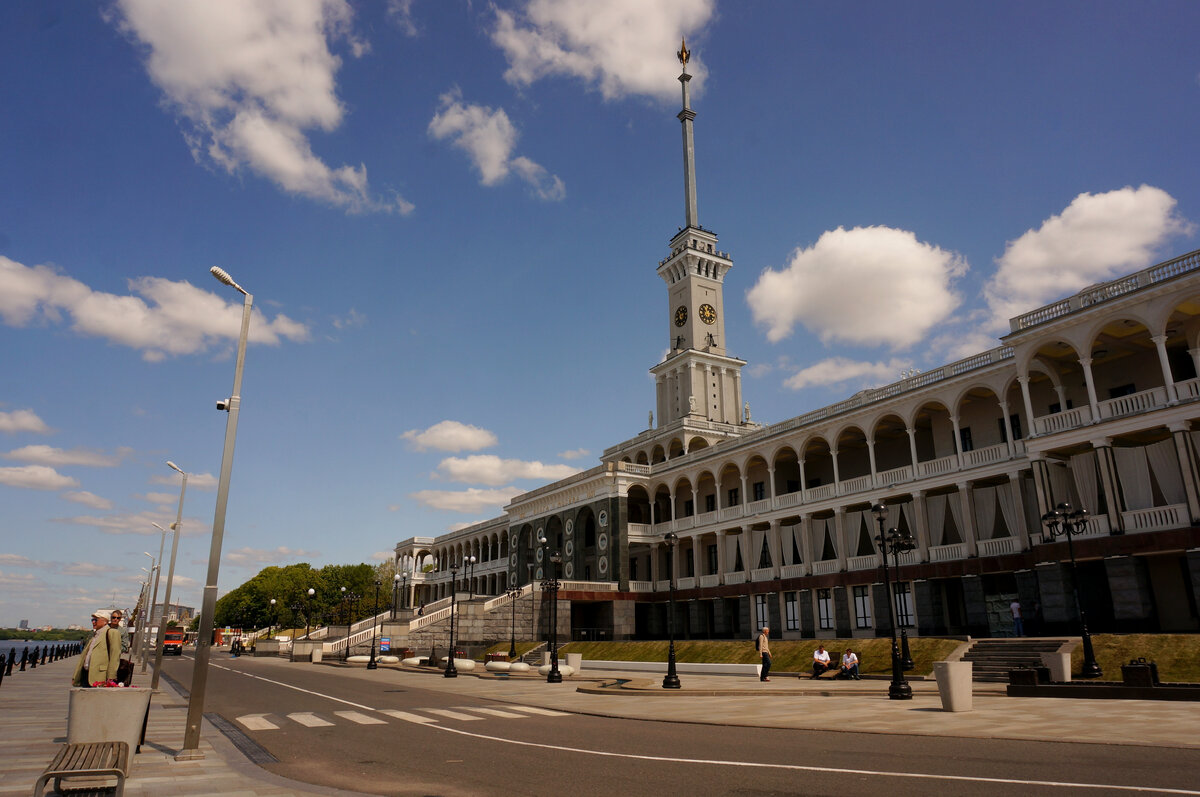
542, 539
879, 511
175, 467
160, 528
272, 601
671, 538
396, 577
311, 592
453, 568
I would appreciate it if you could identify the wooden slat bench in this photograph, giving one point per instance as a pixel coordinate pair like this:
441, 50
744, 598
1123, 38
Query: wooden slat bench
87, 759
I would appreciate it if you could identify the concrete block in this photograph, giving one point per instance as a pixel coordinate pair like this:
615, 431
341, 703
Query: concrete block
112, 714
518, 666
575, 661
1059, 665
954, 684
563, 669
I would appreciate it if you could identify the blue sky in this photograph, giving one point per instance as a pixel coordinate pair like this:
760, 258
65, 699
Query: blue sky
450, 214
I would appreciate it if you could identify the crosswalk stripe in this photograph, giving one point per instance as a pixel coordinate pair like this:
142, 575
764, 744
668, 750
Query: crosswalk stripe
454, 715
494, 712
545, 712
404, 715
361, 719
257, 722
309, 719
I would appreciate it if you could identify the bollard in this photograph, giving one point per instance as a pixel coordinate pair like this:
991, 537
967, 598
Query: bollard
3, 659
44, 652
24, 658
33, 659
12, 658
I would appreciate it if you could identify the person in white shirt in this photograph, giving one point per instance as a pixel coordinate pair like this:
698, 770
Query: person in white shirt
849, 666
1018, 621
820, 661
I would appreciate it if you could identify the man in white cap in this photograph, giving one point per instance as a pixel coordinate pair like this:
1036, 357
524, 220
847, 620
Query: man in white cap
764, 649
102, 655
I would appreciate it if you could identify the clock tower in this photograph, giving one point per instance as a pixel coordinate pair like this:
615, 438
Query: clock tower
697, 380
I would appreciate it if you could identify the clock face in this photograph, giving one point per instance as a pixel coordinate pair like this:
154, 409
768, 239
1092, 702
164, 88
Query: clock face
681, 316
707, 313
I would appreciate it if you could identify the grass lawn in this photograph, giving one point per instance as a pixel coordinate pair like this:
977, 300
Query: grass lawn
1177, 655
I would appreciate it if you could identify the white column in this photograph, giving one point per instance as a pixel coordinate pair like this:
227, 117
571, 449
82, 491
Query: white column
837, 480
871, 457
1008, 431
912, 449
737, 394
654, 566
958, 452
803, 499
745, 495
1086, 362
771, 483
1014, 478
722, 558
1160, 343
1023, 379
1195, 359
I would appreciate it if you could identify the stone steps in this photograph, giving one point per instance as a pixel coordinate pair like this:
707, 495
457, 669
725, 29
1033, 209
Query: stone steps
993, 658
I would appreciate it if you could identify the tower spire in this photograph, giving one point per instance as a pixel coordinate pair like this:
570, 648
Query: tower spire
686, 116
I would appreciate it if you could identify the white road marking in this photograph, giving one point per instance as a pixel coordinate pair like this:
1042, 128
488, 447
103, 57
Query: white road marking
361, 719
494, 712
454, 715
289, 686
256, 722
545, 712
309, 719
834, 770
404, 715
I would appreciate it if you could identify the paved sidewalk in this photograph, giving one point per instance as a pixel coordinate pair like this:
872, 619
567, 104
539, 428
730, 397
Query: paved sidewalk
34, 707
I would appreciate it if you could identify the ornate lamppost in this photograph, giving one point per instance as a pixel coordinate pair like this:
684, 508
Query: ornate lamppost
470, 568
551, 584
271, 627
1063, 522
894, 542
451, 670
395, 594
671, 679
308, 610
372, 664
513, 594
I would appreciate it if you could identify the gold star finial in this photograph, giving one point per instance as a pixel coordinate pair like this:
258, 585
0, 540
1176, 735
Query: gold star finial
684, 53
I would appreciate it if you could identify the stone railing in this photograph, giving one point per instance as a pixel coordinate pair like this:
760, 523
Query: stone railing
792, 571
735, 577
1134, 403
709, 581
825, 567
1158, 518
945, 553
998, 546
863, 562
1061, 421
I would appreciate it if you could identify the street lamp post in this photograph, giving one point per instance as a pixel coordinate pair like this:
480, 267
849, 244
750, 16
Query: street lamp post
513, 594
555, 675
894, 542
372, 664
152, 576
162, 541
176, 528
451, 670
532, 604
471, 575
671, 679
1063, 522
232, 405
308, 611
395, 594
271, 628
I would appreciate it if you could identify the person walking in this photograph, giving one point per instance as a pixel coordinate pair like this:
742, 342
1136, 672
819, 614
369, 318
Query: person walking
101, 656
764, 649
1018, 621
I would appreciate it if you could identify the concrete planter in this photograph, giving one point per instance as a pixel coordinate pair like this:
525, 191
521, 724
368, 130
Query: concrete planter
266, 647
107, 715
565, 670
954, 684
317, 652
1059, 665
575, 661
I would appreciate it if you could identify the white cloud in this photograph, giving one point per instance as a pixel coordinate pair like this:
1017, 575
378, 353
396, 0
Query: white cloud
178, 317
351, 319
621, 47
197, 481
160, 498
493, 471
400, 14
383, 556
16, 560
868, 285
254, 557
88, 499
20, 420
488, 138
575, 453
249, 77
139, 524
450, 436
36, 477
16, 579
84, 569
47, 455
472, 500
1096, 238
837, 370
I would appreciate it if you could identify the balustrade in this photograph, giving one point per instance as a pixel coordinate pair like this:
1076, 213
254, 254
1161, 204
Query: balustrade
793, 571
985, 456
822, 492
762, 574
998, 546
641, 586
788, 499
1061, 421
731, 512
687, 582
945, 553
736, 577
863, 562
936, 467
856, 485
710, 581
895, 476
1157, 518
1188, 389
1141, 401
824, 567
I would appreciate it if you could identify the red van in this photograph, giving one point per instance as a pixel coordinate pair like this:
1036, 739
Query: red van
173, 643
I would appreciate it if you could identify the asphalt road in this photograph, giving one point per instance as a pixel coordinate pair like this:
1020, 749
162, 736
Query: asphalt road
333, 727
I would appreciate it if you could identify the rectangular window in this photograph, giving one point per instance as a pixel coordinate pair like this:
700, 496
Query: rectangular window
689, 559
1014, 421
862, 606
760, 610
712, 559
732, 496
904, 617
710, 503
791, 612
825, 609
760, 491
633, 569
964, 437
1121, 390
689, 508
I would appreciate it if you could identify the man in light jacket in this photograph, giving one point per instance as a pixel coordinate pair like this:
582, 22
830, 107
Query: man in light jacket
764, 648
101, 655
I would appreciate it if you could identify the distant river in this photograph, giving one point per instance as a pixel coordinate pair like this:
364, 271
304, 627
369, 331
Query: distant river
19, 644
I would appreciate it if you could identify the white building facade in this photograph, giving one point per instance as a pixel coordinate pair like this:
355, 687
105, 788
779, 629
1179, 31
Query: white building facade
1093, 401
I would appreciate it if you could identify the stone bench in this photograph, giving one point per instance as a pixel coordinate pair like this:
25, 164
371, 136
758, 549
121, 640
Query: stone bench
87, 759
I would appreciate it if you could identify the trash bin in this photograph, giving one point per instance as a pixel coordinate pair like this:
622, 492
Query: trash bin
575, 661
108, 714
317, 652
954, 684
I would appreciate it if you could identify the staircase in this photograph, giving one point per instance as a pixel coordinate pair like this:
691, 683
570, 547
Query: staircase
534, 657
993, 658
